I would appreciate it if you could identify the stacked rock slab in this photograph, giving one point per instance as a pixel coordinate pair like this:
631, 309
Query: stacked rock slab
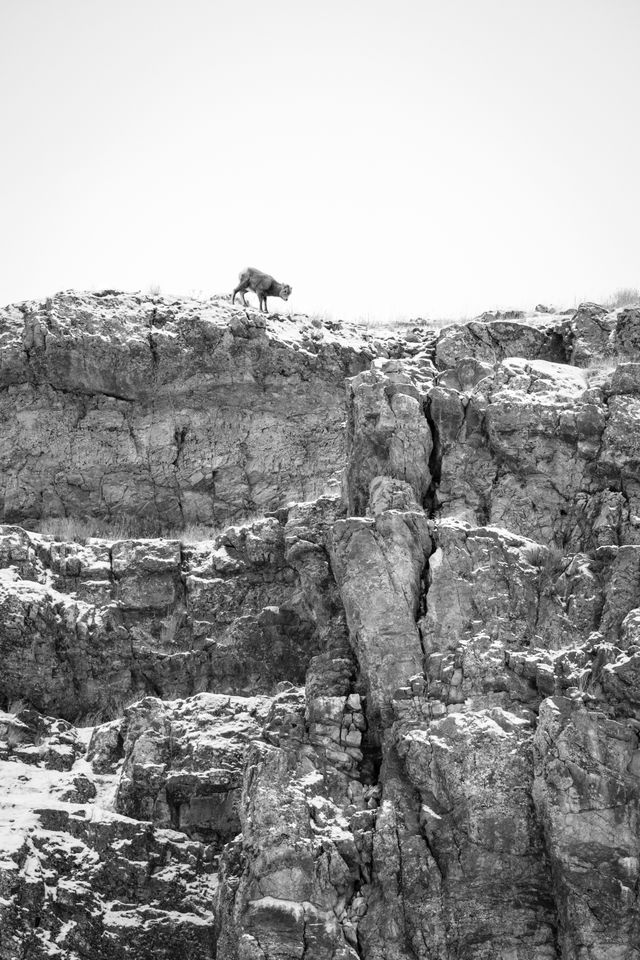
401, 724
88, 627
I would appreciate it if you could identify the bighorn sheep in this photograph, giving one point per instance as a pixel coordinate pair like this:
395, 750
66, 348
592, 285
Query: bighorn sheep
262, 285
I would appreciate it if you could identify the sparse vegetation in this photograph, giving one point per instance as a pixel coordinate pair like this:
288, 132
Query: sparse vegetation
17, 706
624, 297
196, 532
551, 563
321, 319
14, 737
113, 709
601, 366
170, 626
399, 325
72, 529
437, 323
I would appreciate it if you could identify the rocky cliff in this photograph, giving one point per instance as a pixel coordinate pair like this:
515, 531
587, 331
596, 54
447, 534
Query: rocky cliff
392, 721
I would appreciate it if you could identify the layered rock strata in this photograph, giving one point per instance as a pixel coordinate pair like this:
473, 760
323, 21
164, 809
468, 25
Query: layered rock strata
170, 412
89, 627
397, 724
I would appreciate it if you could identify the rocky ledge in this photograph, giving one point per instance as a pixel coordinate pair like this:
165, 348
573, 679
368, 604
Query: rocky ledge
392, 721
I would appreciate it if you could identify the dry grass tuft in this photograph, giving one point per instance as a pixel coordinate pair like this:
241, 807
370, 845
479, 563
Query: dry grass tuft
600, 367
397, 326
74, 529
112, 709
17, 706
170, 626
624, 297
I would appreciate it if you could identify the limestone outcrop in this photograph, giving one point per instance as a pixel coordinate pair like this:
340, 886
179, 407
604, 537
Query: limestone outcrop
88, 627
169, 412
398, 721
543, 449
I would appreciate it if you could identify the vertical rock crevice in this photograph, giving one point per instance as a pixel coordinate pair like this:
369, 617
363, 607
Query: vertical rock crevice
430, 502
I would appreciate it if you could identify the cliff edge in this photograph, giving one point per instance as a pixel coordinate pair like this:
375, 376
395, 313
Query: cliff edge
394, 713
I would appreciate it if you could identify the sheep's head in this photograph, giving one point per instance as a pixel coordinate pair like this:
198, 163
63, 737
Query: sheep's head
285, 291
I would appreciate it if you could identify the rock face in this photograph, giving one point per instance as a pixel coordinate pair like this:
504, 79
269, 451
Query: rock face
89, 627
545, 450
396, 724
167, 411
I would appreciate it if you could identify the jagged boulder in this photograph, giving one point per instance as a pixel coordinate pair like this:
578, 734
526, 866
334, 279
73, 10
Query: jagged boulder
183, 762
492, 340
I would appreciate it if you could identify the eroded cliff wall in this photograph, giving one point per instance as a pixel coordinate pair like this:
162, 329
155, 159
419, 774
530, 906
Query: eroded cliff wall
396, 724
172, 412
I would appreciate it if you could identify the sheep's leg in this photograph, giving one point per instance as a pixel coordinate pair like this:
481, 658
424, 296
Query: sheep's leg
241, 290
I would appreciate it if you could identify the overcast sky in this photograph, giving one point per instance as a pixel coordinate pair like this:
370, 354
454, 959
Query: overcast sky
386, 159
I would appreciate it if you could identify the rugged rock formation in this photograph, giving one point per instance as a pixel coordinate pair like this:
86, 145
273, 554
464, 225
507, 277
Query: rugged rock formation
89, 627
545, 450
167, 411
396, 724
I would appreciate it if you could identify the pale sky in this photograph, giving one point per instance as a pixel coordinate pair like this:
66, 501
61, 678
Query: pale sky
387, 159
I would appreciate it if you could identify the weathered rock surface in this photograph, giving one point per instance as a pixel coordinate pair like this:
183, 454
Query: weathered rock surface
183, 762
544, 450
167, 411
79, 879
379, 564
398, 725
387, 433
88, 627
